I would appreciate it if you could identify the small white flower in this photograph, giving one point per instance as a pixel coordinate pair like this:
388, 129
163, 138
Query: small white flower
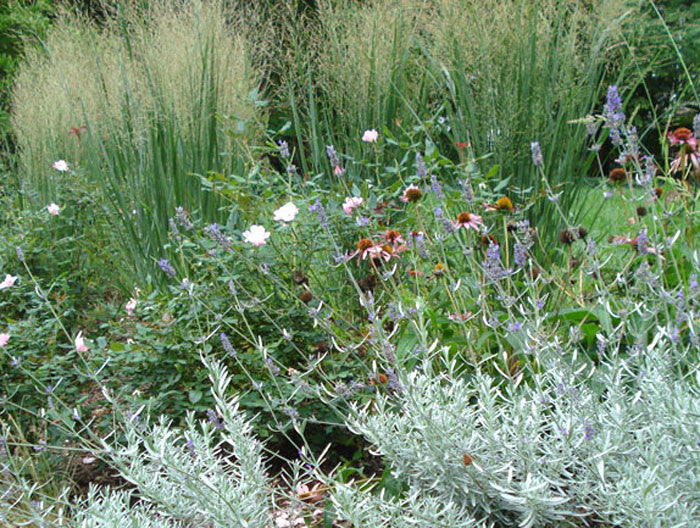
129, 306
8, 281
350, 203
287, 212
53, 209
370, 136
60, 165
256, 235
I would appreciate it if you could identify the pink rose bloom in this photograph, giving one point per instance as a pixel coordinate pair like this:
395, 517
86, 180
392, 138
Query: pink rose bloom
4, 338
256, 235
350, 203
130, 306
370, 136
53, 209
80, 345
287, 212
60, 165
9, 281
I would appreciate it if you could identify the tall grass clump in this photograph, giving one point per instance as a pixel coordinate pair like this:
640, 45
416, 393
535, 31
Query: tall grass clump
133, 107
360, 68
522, 71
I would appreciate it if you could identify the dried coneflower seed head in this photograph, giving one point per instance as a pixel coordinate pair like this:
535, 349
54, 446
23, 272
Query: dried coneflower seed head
367, 283
392, 235
582, 232
487, 240
658, 191
298, 277
567, 237
364, 243
413, 194
641, 211
504, 204
618, 175
306, 296
382, 378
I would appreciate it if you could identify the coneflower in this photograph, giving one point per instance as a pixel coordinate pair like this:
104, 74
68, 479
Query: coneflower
411, 194
505, 205
617, 175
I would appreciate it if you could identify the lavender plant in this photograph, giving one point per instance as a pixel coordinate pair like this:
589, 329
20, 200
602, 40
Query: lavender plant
206, 474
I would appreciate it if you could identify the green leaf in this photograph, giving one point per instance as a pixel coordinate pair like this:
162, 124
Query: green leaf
194, 396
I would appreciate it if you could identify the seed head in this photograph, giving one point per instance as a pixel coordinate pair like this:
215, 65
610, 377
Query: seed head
618, 175
504, 204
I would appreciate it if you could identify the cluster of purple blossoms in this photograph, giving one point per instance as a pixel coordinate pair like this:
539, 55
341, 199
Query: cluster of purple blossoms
492, 264
173, 228
164, 264
317, 207
436, 187
332, 155
284, 149
228, 347
467, 191
182, 219
649, 171
274, 369
536, 153
214, 419
217, 236
642, 242
418, 241
448, 226
614, 117
630, 149
421, 169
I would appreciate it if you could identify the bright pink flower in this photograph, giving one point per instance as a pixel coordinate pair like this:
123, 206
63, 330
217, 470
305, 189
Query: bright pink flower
469, 221
60, 165
8, 282
130, 306
683, 136
80, 345
4, 338
256, 235
351, 203
370, 136
53, 209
